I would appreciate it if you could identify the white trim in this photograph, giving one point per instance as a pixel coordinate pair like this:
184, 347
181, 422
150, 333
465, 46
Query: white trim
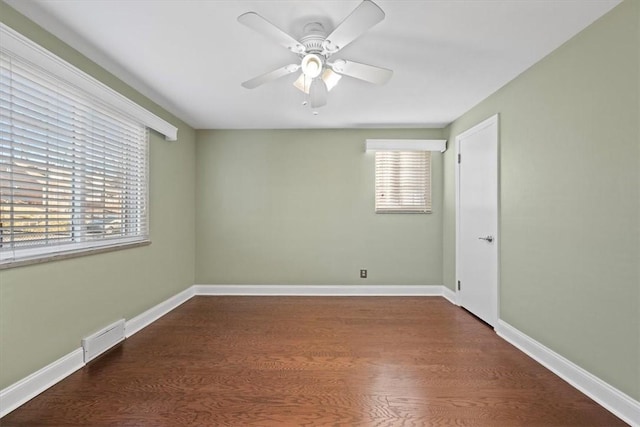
604, 394
29, 387
6, 264
22, 391
320, 290
154, 313
372, 145
15, 42
612, 399
450, 295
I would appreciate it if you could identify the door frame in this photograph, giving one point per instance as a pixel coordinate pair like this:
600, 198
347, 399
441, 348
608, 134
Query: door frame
495, 119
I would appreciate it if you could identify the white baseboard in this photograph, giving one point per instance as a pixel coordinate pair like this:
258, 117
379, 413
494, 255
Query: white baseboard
319, 290
154, 313
609, 397
450, 295
28, 388
618, 403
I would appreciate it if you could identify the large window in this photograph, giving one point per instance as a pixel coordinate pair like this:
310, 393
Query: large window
403, 182
73, 169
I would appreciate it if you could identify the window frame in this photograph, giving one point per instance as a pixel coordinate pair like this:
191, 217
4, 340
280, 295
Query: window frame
406, 145
14, 45
405, 169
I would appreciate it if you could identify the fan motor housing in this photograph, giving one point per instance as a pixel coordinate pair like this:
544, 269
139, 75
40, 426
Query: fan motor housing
314, 35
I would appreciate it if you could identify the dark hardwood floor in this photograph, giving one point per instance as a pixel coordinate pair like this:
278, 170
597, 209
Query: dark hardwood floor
313, 361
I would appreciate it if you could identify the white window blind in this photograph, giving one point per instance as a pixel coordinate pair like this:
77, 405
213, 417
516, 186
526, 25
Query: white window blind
73, 171
403, 181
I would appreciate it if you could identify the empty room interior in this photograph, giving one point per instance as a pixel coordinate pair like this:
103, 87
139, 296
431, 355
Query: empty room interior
288, 213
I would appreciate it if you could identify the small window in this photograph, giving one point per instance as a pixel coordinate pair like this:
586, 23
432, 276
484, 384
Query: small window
403, 182
73, 170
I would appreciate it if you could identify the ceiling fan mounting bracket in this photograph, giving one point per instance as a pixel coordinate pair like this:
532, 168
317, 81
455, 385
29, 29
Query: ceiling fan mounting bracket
314, 37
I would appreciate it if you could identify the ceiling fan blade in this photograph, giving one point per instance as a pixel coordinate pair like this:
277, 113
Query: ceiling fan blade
270, 76
363, 17
368, 73
267, 29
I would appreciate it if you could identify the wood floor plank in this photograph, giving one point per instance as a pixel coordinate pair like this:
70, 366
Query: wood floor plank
313, 361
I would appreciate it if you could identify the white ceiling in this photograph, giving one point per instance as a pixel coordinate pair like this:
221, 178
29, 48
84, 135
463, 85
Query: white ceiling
191, 56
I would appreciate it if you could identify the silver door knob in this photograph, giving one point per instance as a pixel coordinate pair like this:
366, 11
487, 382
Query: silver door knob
488, 238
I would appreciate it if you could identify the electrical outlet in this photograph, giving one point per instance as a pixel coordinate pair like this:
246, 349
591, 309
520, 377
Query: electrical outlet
363, 274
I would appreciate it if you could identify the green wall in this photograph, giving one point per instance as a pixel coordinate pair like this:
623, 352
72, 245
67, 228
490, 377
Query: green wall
297, 207
570, 194
46, 309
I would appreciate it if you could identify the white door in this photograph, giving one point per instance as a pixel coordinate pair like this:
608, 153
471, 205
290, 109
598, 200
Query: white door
477, 220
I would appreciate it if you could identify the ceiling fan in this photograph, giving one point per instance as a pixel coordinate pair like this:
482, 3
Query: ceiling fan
315, 49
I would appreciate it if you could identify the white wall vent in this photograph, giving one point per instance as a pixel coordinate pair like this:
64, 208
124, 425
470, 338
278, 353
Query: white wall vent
96, 344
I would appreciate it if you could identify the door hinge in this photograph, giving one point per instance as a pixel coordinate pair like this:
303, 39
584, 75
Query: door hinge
459, 158
459, 287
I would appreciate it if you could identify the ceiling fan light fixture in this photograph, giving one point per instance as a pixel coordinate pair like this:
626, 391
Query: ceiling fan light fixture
330, 78
302, 83
311, 65
318, 93
314, 50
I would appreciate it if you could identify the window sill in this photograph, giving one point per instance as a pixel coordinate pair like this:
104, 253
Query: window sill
40, 259
390, 211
